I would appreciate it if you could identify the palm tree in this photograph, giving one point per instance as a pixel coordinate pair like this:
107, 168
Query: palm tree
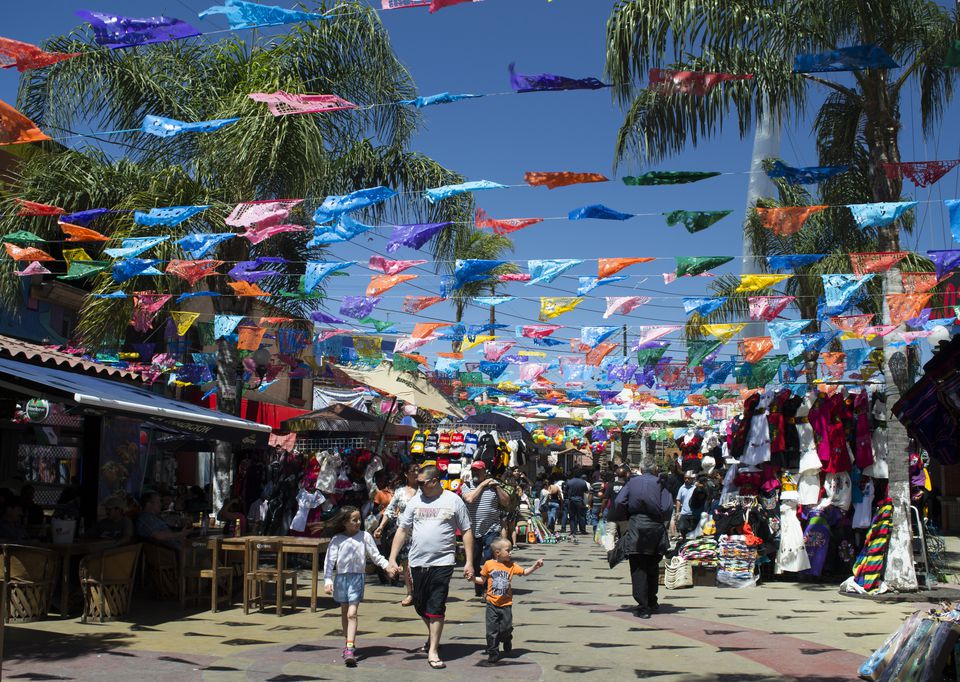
760, 38
258, 158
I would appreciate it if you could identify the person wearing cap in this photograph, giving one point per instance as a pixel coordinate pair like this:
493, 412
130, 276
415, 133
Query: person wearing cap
485, 499
116, 525
686, 516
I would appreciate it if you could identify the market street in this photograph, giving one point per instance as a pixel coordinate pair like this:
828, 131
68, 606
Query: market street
571, 617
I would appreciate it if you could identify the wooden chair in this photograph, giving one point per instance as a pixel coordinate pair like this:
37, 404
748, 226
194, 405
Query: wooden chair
205, 564
262, 570
162, 565
29, 577
106, 579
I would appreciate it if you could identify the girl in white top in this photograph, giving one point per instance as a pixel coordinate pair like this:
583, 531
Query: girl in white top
347, 556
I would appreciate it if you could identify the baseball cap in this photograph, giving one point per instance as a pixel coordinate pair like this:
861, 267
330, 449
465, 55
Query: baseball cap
479, 465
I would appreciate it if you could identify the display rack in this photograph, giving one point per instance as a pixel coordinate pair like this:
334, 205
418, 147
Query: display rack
315, 444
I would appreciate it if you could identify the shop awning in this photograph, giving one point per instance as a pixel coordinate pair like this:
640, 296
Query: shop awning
406, 386
119, 398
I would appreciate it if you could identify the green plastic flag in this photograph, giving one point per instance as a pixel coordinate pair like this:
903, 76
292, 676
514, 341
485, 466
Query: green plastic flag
471, 378
23, 237
694, 265
668, 178
759, 374
402, 363
698, 350
695, 221
716, 393
85, 268
650, 356
379, 325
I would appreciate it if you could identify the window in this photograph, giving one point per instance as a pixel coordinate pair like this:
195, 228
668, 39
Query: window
296, 389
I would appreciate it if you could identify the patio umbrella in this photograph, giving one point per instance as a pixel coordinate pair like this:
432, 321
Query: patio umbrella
406, 386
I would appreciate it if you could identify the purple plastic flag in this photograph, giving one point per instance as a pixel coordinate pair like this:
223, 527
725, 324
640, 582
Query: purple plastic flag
84, 218
530, 82
598, 211
241, 14
116, 31
945, 261
335, 206
199, 245
358, 306
169, 215
413, 236
324, 318
169, 127
244, 270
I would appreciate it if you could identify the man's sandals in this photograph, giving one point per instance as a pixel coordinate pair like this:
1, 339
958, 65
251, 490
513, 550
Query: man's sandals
435, 664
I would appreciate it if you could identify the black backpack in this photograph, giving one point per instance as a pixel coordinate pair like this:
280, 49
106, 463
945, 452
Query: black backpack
488, 451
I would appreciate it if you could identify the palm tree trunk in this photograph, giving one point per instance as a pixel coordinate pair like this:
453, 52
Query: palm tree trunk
881, 131
229, 402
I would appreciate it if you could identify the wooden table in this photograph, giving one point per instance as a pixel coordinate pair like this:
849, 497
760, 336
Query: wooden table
313, 547
67, 552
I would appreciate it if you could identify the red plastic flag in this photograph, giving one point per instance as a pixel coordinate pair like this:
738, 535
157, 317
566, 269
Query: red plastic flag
539, 331
440, 4
414, 304
15, 128
505, 226
32, 208
25, 56
921, 173
611, 266
193, 270
698, 83
601, 351
787, 220
30, 253
76, 233
918, 282
881, 261
754, 348
552, 180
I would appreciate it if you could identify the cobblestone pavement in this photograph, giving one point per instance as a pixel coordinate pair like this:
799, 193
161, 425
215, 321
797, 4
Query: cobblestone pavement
572, 617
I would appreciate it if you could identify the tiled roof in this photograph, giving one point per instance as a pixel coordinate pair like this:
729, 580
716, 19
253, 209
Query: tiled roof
51, 357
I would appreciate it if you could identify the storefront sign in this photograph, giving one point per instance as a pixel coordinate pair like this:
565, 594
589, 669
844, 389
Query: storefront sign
37, 410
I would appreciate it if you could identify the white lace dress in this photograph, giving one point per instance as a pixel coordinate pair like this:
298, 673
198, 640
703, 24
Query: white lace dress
792, 555
758, 438
808, 479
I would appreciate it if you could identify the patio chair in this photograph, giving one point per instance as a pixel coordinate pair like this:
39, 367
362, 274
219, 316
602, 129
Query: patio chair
162, 565
262, 569
29, 576
106, 579
209, 564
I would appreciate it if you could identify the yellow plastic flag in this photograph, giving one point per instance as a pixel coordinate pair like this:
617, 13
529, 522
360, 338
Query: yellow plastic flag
554, 306
368, 346
724, 332
758, 282
70, 255
184, 320
467, 345
533, 353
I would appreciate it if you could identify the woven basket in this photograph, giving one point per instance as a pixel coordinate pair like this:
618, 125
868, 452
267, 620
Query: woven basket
678, 574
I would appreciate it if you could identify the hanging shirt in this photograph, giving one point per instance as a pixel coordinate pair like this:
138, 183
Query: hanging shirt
305, 502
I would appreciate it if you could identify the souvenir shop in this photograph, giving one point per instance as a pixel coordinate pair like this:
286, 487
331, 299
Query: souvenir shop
794, 486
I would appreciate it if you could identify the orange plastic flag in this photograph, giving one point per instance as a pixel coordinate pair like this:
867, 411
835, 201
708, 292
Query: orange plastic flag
76, 233
15, 128
881, 261
561, 179
32, 208
787, 220
451, 356
249, 338
26, 253
381, 283
835, 363
505, 226
419, 359
424, 329
601, 351
754, 348
610, 266
852, 324
906, 306
247, 289
918, 282
414, 304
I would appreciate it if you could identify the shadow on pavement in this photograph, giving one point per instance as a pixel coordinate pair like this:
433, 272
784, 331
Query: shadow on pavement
23, 644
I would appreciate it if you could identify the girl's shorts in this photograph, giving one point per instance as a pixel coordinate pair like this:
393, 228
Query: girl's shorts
348, 588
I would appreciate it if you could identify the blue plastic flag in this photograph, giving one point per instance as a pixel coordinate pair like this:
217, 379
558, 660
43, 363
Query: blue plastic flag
413, 236
537, 82
473, 270
543, 271
703, 306
193, 294
116, 31
442, 98
345, 229
547, 342
790, 262
223, 325
593, 336
880, 213
804, 343
199, 245
134, 246
335, 206
944, 261
719, 373
317, 271
805, 175
447, 365
242, 14
493, 300
475, 330
170, 215
598, 211
953, 206
453, 333
112, 294
588, 284
855, 357
780, 330
135, 267
853, 58
493, 369
439, 193
839, 289
358, 307
169, 127
84, 218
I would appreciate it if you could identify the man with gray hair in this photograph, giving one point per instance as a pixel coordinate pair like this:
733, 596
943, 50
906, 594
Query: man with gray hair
647, 504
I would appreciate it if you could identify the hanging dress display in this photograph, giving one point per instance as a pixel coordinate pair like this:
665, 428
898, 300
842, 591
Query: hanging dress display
757, 450
792, 554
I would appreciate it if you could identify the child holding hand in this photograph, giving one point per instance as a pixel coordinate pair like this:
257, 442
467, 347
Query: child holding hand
496, 575
347, 556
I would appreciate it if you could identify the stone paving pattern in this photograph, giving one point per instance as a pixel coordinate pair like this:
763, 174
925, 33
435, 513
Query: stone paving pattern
573, 618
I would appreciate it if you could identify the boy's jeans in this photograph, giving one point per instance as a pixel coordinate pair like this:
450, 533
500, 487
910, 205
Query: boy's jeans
499, 626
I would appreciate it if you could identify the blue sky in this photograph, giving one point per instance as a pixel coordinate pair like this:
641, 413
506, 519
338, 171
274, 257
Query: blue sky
467, 49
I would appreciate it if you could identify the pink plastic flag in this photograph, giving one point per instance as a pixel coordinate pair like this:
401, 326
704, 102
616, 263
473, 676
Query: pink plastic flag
648, 334
193, 270
623, 305
330, 333
539, 331
910, 337
440, 4
531, 371
697, 83
514, 277
410, 344
255, 235
494, 350
670, 277
767, 308
33, 269
403, 4
261, 213
414, 304
391, 267
146, 305
282, 103
879, 330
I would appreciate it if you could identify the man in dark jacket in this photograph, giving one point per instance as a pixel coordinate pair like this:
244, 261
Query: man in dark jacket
648, 504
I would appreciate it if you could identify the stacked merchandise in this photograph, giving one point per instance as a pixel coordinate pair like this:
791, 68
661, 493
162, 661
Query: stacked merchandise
703, 552
453, 450
736, 562
921, 649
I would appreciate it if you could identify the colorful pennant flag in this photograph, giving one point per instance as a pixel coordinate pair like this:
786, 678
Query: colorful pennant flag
75, 233
906, 306
116, 31
725, 331
544, 271
879, 214
241, 14
552, 180
754, 348
623, 305
588, 284
472, 270
863, 263
506, 226
413, 236
146, 305
610, 266
750, 283
440, 193
785, 328
598, 212
391, 267
199, 245
695, 221
790, 262
703, 306
169, 216
694, 265
767, 308
134, 246
15, 128
918, 282
244, 288
223, 325
282, 103
786, 220
380, 284
414, 304
529, 82
853, 58
920, 173
183, 320
159, 126
358, 307
554, 306
29, 253
441, 98
696, 83
493, 301
807, 175
698, 350
23, 56
668, 178
840, 289
596, 355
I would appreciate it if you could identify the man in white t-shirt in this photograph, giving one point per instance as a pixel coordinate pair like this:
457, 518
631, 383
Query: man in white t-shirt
433, 517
